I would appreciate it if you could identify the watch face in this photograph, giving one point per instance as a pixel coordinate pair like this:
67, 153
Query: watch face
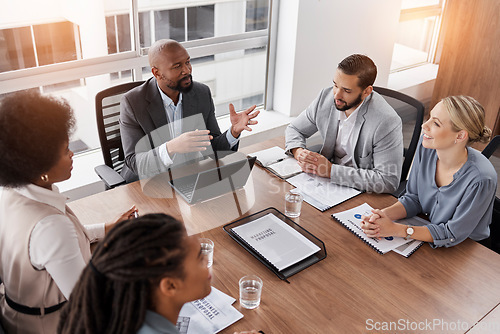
409, 230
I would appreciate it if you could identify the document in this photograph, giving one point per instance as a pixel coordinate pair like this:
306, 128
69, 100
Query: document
209, 315
320, 192
276, 241
279, 163
351, 219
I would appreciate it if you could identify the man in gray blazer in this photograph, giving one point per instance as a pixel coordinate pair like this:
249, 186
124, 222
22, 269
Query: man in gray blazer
362, 134
171, 118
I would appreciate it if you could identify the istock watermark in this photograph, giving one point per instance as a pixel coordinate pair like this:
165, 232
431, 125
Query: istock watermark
438, 325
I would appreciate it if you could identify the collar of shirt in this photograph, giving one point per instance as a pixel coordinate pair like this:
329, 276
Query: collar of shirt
352, 117
155, 323
43, 195
167, 101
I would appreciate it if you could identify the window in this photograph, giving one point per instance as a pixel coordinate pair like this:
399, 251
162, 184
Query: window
38, 45
75, 51
257, 15
118, 33
418, 32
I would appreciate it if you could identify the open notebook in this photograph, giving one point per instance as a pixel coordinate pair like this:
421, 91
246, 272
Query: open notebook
275, 160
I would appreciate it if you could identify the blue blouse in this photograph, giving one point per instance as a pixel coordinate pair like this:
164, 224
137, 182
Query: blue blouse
458, 210
157, 324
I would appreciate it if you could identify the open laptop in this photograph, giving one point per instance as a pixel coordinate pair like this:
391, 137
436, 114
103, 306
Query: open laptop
214, 182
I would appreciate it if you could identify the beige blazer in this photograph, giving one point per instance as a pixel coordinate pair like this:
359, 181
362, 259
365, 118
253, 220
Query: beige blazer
24, 284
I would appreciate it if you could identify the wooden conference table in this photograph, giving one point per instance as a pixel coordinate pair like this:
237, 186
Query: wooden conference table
353, 290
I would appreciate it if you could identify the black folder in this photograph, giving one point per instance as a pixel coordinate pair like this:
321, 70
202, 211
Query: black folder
291, 270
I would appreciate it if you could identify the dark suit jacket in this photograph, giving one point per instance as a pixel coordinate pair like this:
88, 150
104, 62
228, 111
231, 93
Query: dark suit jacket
142, 112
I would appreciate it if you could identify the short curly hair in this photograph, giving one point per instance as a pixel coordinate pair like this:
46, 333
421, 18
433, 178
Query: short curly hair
34, 127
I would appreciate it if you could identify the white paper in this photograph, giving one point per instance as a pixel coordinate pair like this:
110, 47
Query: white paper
352, 220
276, 241
320, 192
209, 315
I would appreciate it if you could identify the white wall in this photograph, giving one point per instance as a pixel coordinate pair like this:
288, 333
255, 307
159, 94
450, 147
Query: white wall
315, 35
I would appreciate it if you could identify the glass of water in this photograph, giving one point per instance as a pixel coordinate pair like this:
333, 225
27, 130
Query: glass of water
293, 203
207, 249
250, 291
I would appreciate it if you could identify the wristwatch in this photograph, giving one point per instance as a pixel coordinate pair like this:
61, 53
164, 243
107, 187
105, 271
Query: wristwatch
409, 232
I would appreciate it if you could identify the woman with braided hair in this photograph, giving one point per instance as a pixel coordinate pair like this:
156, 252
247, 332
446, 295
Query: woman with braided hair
139, 277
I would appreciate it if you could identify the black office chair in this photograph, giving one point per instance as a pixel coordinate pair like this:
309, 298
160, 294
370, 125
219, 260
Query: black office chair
492, 152
411, 112
107, 107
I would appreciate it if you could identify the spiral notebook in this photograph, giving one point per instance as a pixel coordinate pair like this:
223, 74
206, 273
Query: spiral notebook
351, 219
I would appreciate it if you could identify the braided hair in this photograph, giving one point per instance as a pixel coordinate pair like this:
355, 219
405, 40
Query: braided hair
114, 290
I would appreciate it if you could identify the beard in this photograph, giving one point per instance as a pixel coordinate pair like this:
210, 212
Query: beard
351, 105
184, 89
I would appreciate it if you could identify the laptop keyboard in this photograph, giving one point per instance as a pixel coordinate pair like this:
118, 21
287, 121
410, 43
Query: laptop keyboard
186, 189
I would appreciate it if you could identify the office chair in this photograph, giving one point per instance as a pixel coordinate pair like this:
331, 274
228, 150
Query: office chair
492, 152
107, 107
411, 112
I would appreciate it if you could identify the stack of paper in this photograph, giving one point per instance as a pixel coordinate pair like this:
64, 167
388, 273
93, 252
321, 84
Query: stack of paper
209, 315
320, 192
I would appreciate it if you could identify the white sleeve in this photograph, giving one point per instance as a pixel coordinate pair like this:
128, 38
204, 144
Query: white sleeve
54, 246
164, 156
95, 231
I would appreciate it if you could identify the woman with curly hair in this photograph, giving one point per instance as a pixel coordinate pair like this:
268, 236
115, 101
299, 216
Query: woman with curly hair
43, 246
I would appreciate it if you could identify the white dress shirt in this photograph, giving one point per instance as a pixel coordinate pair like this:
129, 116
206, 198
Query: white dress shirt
174, 116
344, 146
53, 242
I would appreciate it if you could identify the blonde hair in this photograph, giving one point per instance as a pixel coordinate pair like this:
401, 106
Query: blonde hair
467, 114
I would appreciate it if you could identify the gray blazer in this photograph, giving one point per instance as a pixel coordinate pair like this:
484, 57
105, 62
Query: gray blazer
142, 113
378, 151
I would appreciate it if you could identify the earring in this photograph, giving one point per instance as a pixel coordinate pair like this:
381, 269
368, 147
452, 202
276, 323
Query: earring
455, 141
45, 178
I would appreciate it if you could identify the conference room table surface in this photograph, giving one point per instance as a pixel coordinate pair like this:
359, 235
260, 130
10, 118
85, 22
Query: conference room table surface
353, 290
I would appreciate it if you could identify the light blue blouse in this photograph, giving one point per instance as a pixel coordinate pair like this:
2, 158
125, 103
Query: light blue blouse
157, 324
458, 210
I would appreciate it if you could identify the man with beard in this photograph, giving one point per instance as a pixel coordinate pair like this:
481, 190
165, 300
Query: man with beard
362, 134
159, 108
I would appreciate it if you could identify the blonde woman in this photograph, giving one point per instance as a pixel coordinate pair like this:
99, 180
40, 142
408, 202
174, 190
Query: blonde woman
450, 182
